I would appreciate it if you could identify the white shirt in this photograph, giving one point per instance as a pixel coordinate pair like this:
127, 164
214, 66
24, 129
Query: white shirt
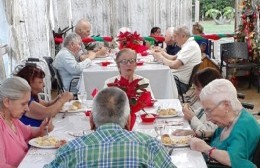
189, 55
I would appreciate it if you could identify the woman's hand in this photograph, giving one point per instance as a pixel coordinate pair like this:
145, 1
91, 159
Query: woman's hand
199, 145
46, 124
188, 114
181, 132
42, 130
66, 96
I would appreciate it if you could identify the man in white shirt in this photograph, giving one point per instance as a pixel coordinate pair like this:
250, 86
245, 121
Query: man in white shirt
184, 61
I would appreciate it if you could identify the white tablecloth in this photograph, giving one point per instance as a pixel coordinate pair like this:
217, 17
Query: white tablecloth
160, 77
78, 122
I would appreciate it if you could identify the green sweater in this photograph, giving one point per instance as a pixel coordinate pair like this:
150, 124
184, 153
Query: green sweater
241, 142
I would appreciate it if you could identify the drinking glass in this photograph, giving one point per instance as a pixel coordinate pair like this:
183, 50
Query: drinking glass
159, 126
82, 96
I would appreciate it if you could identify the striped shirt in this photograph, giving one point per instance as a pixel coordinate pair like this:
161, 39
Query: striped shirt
112, 146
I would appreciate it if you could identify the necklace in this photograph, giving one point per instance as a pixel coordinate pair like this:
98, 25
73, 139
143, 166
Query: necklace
8, 122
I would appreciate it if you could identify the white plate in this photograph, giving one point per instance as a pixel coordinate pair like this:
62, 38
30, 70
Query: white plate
32, 142
152, 62
68, 104
167, 116
175, 139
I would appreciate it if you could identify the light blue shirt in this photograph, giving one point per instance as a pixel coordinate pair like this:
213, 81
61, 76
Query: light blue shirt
68, 67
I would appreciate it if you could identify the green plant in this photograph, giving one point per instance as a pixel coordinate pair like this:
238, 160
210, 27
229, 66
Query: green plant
221, 17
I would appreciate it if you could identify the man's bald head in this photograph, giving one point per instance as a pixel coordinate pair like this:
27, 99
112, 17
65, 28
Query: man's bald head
83, 28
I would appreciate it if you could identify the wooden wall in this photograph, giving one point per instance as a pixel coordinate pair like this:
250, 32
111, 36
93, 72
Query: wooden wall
31, 21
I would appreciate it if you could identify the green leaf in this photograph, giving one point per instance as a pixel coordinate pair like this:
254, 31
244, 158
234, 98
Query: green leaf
143, 86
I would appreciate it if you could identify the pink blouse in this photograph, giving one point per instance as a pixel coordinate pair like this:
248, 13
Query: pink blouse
13, 146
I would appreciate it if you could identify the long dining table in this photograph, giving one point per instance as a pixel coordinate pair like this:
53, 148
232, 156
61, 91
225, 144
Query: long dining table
160, 76
77, 124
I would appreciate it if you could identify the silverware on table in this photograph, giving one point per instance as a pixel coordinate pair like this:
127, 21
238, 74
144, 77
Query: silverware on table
64, 114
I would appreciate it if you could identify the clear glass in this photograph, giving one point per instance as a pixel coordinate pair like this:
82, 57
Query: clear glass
82, 96
159, 126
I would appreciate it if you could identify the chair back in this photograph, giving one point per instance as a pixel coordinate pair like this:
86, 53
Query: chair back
234, 50
194, 71
58, 78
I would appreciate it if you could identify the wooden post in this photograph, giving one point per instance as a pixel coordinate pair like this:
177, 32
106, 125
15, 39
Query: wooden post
197, 10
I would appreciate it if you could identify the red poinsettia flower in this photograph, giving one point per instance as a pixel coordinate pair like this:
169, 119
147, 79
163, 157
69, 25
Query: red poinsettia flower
137, 94
131, 40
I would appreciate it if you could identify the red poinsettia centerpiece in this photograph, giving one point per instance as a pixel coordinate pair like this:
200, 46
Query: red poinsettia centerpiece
131, 40
137, 94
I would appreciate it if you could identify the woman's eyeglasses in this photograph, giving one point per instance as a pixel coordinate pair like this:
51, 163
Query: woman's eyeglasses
125, 61
209, 111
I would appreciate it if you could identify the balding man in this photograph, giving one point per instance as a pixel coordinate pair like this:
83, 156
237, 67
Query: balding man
83, 28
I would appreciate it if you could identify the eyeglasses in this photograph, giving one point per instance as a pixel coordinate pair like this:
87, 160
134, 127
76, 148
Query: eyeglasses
209, 111
125, 61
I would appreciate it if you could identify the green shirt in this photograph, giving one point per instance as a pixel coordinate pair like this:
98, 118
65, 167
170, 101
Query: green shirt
242, 141
112, 146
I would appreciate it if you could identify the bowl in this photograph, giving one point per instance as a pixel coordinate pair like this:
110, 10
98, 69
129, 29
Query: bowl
105, 63
148, 120
140, 63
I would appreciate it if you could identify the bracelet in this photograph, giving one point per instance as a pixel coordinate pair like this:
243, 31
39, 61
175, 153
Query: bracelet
210, 151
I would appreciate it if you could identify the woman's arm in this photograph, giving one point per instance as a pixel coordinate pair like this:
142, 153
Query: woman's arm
39, 111
201, 146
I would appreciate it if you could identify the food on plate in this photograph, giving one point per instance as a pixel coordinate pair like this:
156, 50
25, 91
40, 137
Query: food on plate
165, 139
75, 106
180, 140
149, 116
47, 141
169, 111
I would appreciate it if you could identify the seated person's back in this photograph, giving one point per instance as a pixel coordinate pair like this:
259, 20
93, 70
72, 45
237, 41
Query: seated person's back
111, 145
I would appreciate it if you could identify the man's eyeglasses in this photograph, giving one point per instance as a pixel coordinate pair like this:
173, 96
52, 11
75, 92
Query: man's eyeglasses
209, 111
125, 61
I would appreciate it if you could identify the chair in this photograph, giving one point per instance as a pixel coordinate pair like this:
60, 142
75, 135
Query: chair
182, 87
60, 83
235, 57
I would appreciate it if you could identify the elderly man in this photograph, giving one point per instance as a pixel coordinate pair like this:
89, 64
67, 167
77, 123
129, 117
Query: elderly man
83, 28
65, 61
112, 145
171, 47
184, 61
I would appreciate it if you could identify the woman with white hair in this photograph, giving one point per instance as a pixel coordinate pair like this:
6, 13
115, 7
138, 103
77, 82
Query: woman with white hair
234, 141
15, 93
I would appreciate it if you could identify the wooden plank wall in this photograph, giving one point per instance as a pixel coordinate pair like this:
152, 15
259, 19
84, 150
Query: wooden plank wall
31, 21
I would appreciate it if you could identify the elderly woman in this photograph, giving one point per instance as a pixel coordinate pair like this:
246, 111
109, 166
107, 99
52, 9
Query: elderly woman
15, 93
40, 109
126, 63
197, 118
238, 133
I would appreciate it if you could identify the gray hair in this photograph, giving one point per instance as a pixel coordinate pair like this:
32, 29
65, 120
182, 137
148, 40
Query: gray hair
124, 51
80, 24
111, 105
71, 38
13, 88
170, 30
182, 30
221, 90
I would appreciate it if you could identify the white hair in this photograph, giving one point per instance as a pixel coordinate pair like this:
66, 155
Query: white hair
71, 38
123, 30
170, 30
221, 90
183, 30
13, 88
